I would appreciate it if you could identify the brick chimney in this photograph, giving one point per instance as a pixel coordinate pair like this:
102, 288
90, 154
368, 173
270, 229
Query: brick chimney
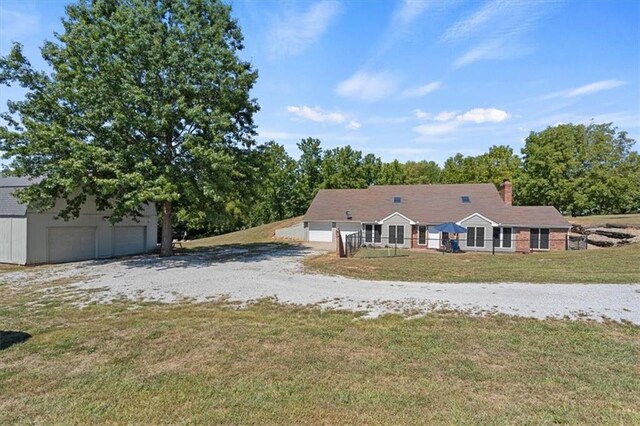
506, 192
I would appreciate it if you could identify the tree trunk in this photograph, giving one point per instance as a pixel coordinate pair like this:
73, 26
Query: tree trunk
166, 248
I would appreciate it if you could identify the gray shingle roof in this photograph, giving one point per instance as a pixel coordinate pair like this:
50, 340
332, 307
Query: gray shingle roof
9, 205
428, 204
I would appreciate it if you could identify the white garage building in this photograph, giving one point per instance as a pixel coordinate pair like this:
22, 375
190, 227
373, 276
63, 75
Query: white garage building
30, 237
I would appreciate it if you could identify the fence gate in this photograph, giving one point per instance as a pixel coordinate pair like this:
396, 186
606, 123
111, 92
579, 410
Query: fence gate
352, 243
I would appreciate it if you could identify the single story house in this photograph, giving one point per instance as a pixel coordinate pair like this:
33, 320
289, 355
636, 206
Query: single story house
404, 216
29, 237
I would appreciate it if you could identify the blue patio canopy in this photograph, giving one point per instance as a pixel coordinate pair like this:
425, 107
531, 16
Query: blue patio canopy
450, 227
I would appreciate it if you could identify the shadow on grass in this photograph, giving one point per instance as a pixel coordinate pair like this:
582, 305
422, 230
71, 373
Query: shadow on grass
206, 256
10, 338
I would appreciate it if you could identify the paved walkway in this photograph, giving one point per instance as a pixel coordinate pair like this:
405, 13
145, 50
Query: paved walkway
247, 275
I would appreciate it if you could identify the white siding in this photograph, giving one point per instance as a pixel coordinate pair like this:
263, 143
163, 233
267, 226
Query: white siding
347, 228
13, 240
38, 225
320, 231
128, 240
477, 222
396, 219
70, 243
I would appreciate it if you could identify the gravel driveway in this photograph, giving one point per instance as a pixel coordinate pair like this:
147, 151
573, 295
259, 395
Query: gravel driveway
244, 275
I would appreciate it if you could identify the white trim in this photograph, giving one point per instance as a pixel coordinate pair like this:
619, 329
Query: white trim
411, 222
480, 216
373, 232
501, 238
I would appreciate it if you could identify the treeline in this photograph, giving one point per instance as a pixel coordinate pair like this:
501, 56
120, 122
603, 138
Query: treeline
576, 168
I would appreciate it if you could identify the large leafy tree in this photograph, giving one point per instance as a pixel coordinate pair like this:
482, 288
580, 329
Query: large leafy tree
309, 173
275, 199
343, 168
148, 101
421, 172
494, 166
580, 170
392, 173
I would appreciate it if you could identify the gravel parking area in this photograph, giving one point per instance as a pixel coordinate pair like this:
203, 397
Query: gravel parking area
243, 275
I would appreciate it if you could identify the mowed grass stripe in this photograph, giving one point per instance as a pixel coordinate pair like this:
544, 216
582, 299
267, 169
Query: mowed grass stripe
617, 265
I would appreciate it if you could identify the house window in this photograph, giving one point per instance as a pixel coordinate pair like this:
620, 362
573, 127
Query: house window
422, 235
539, 239
397, 200
475, 236
372, 233
465, 199
396, 234
502, 237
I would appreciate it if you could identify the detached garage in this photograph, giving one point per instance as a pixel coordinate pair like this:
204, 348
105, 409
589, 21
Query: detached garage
28, 236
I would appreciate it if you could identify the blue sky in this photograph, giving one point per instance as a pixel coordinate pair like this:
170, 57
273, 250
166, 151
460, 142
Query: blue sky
417, 80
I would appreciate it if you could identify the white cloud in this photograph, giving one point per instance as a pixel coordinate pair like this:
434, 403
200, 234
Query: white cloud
416, 92
15, 24
368, 87
484, 115
451, 121
445, 116
476, 115
497, 29
316, 114
468, 26
295, 32
587, 89
409, 11
490, 50
436, 129
422, 115
353, 125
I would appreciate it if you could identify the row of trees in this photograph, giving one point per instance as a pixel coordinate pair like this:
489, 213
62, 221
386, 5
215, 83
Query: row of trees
576, 168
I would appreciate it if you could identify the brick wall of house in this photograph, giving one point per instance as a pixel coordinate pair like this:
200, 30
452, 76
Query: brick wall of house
557, 239
522, 240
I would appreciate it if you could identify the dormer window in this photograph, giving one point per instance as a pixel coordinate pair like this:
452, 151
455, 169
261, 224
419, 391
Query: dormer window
397, 200
465, 199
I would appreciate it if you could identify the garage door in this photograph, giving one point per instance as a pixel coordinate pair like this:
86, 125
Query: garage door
128, 240
68, 244
320, 232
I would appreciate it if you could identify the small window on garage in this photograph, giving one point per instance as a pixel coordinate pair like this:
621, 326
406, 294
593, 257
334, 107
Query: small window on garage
397, 200
465, 199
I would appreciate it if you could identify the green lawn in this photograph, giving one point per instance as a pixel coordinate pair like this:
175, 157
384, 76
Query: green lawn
257, 234
273, 364
611, 265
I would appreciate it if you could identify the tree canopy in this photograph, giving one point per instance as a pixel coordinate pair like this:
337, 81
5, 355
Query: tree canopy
148, 101
580, 170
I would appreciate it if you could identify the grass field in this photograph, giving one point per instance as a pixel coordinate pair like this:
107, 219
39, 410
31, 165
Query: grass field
258, 234
211, 363
625, 219
612, 265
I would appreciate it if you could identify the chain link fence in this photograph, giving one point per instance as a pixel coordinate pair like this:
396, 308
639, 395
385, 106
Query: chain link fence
380, 246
